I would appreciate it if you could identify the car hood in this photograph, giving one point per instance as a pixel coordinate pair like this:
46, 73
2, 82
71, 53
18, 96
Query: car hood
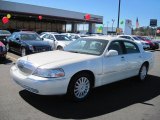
148, 41
58, 58
36, 42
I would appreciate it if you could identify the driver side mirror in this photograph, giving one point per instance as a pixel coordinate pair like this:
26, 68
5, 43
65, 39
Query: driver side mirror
111, 53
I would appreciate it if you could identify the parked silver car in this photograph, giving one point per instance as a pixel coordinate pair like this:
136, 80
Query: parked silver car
57, 41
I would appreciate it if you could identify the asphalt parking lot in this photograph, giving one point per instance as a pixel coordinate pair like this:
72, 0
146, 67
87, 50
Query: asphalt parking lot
124, 100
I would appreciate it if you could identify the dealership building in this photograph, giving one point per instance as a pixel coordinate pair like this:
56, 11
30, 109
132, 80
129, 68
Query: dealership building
25, 16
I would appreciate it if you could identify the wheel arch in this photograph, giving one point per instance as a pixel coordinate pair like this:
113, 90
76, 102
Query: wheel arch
59, 46
84, 71
147, 64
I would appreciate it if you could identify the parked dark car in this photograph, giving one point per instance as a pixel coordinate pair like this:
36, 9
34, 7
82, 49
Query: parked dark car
3, 51
26, 43
3, 35
153, 44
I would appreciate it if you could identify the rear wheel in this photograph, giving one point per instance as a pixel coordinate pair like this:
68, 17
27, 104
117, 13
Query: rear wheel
59, 48
143, 72
80, 87
23, 52
7, 47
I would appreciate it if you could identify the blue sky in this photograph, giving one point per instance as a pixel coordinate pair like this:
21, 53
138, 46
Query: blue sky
130, 9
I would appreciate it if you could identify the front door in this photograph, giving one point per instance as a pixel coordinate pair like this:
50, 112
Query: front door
114, 67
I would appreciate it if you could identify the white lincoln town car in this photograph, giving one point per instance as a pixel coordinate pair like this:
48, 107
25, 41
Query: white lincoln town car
84, 64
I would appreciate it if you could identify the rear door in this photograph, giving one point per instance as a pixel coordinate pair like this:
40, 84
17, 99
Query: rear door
133, 58
50, 39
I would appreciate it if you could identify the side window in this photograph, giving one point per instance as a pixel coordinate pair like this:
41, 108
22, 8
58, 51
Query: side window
131, 47
123, 37
51, 37
46, 36
116, 46
129, 38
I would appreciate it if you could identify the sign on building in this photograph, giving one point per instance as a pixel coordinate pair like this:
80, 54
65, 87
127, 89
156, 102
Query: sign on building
128, 27
153, 22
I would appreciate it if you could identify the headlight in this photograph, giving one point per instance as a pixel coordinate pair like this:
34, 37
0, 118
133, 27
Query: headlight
49, 73
31, 47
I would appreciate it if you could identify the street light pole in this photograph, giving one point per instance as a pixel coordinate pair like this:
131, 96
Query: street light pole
107, 27
112, 24
119, 9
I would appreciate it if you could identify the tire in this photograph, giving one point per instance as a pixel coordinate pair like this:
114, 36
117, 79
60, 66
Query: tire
59, 48
143, 72
80, 87
7, 47
23, 52
3, 58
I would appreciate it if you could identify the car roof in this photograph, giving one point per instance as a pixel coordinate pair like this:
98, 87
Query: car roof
129, 35
26, 32
5, 31
109, 38
57, 34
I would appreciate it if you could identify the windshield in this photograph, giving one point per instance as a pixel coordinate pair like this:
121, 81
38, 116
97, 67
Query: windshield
62, 38
4, 32
87, 46
30, 37
136, 38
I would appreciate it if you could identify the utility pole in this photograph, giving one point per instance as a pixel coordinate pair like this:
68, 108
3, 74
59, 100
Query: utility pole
119, 9
107, 27
112, 25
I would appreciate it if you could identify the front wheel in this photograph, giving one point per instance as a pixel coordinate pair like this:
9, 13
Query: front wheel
80, 87
143, 72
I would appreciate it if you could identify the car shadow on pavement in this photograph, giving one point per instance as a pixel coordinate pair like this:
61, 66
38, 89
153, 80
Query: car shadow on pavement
6, 61
157, 50
103, 100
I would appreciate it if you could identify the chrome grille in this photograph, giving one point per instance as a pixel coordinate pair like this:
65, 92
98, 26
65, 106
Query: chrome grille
25, 67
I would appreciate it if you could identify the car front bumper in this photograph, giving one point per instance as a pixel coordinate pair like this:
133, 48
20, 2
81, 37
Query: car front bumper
39, 85
146, 46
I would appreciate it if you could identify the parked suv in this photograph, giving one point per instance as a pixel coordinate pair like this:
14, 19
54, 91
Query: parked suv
3, 51
27, 43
